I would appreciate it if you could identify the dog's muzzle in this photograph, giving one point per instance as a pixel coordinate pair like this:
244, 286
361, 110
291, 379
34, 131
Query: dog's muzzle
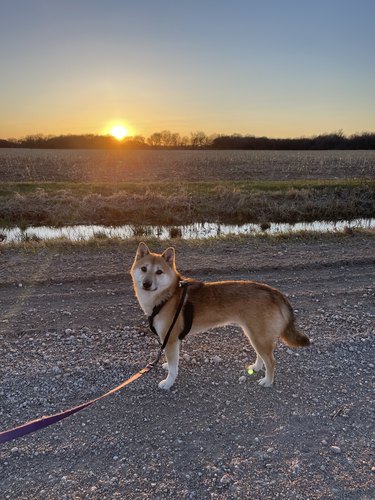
147, 285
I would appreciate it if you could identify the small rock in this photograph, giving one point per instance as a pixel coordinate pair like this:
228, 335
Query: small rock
296, 470
242, 380
225, 480
336, 449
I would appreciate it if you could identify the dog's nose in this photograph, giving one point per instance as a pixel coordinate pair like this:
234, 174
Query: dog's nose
147, 284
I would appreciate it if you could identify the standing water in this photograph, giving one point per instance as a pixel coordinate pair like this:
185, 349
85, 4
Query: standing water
191, 231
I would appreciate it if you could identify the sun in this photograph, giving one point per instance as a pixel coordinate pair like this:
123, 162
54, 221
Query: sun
119, 132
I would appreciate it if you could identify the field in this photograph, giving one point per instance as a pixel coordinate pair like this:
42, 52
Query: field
20, 165
181, 187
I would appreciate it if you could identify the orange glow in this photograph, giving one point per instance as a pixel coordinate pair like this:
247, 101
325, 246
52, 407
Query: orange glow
119, 132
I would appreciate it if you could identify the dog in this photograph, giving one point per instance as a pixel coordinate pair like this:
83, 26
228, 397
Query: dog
263, 312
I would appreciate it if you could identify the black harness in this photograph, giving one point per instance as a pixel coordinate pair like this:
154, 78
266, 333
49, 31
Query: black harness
188, 311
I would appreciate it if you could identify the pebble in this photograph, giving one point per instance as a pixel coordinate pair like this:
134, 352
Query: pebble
225, 479
336, 449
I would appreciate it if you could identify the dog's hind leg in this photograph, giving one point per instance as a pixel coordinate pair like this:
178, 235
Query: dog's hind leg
264, 352
172, 352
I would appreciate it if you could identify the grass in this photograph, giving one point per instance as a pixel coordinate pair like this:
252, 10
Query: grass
177, 203
172, 188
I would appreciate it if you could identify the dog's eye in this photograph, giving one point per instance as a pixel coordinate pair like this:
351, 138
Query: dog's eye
159, 271
143, 269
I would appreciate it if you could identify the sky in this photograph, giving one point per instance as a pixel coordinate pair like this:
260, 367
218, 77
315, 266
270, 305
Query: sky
280, 68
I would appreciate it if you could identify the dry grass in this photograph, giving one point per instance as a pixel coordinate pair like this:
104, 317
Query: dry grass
176, 204
34, 245
59, 187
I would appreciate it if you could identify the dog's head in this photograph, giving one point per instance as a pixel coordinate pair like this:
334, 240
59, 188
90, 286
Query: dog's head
152, 272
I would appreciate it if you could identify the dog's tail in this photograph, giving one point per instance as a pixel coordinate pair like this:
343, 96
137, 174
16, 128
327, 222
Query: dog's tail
291, 336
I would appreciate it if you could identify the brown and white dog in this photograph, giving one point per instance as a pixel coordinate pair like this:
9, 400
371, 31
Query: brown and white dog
263, 312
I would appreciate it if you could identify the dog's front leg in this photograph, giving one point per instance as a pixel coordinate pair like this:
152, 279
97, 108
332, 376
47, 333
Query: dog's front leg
172, 352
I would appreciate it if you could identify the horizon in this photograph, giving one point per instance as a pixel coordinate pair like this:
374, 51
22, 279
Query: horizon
338, 133
280, 70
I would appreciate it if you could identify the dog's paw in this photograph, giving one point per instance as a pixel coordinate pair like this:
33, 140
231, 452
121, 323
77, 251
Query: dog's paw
165, 366
256, 367
165, 384
265, 382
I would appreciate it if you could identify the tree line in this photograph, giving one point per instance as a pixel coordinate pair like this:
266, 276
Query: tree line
197, 140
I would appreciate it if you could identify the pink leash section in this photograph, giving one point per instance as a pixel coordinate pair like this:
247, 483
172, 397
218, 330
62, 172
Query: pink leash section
40, 423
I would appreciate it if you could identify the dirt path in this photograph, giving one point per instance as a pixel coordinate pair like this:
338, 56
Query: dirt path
70, 329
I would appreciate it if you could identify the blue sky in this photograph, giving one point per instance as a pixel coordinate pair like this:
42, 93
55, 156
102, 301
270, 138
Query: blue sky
276, 68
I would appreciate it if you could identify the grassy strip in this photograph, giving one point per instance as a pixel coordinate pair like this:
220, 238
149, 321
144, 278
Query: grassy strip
58, 204
170, 188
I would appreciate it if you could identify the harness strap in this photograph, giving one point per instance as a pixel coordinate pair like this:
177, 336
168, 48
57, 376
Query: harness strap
166, 338
188, 314
188, 319
177, 313
155, 312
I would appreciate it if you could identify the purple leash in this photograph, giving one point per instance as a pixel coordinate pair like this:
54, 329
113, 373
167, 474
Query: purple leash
40, 423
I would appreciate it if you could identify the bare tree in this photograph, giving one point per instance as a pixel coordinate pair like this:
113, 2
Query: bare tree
155, 139
198, 139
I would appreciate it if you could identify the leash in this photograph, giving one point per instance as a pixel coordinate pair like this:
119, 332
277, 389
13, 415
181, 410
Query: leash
40, 423
45, 421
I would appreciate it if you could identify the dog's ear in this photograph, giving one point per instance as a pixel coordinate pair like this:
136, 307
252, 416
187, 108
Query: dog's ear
169, 256
142, 250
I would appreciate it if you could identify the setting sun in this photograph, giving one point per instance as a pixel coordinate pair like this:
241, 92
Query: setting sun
119, 132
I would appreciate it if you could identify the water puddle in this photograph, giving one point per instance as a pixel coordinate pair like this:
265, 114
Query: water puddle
191, 231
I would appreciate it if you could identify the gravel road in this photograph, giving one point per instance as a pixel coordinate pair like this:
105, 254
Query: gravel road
71, 329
